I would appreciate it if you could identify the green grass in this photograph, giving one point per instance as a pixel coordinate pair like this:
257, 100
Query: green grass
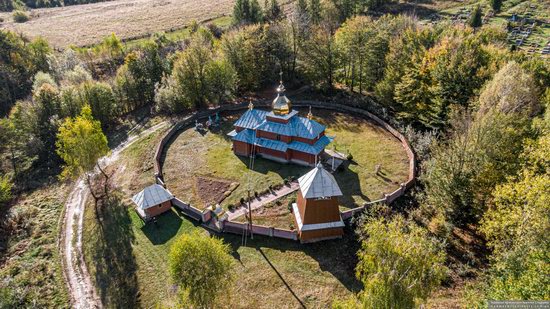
30, 267
272, 272
129, 258
191, 155
180, 34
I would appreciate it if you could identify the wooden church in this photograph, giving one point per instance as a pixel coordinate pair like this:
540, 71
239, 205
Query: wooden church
316, 211
280, 134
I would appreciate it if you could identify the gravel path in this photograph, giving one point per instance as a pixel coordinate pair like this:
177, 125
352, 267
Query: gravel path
82, 290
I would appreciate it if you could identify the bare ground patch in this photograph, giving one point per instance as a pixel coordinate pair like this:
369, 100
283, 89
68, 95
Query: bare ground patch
213, 190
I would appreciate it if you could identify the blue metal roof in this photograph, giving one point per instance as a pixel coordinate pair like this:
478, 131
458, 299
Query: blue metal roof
311, 149
297, 126
255, 119
277, 128
245, 135
251, 119
271, 144
306, 128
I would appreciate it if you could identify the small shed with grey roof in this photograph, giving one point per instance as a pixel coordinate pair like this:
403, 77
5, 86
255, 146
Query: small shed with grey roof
153, 201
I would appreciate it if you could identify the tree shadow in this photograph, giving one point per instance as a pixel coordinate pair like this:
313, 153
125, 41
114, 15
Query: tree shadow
350, 185
163, 229
113, 258
338, 256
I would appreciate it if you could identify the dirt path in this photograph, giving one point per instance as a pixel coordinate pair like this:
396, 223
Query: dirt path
261, 201
82, 290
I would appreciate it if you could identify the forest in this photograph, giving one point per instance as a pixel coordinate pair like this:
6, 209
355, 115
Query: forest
476, 112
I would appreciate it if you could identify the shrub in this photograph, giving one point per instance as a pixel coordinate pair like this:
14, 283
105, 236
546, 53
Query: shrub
20, 16
289, 205
349, 157
198, 263
242, 201
231, 207
5, 190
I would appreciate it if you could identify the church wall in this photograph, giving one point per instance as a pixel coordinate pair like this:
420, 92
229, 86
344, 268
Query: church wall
302, 156
274, 153
278, 120
241, 148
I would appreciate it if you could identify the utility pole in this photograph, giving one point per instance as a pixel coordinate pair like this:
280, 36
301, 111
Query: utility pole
250, 216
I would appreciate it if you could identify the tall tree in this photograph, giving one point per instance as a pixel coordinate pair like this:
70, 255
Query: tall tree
475, 18
496, 5
516, 229
202, 267
315, 11
272, 9
81, 143
19, 61
399, 264
190, 69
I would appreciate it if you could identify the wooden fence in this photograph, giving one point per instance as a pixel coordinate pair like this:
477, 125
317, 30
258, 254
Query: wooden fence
241, 228
238, 228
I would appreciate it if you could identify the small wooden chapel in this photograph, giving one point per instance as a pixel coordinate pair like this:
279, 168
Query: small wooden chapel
316, 211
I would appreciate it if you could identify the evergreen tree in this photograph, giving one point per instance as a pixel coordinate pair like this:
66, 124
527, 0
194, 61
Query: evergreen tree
255, 12
302, 8
272, 10
475, 18
315, 10
241, 11
496, 5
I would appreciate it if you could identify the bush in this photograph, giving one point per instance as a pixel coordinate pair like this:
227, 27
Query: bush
349, 157
289, 205
197, 264
5, 190
242, 201
20, 16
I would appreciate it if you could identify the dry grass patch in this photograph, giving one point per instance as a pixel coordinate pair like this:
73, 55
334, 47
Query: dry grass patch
275, 214
88, 24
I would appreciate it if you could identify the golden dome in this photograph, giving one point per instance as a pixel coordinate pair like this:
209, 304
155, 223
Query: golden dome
281, 105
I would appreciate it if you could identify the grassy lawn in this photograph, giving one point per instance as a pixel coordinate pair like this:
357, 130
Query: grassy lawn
192, 155
129, 258
30, 265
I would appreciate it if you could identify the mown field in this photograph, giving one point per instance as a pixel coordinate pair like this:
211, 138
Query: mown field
88, 24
